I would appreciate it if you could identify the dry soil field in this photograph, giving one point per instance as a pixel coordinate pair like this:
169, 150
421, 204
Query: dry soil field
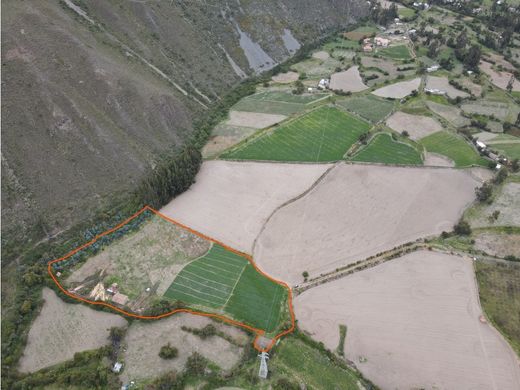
498, 244
413, 323
255, 120
442, 84
500, 79
451, 113
145, 339
436, 160
285, 78
231, 201
507, 203
417, 126
398, 90
62, 329
347, 81
358, 211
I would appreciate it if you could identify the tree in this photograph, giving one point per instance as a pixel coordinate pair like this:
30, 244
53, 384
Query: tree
515, 165
305, 275
500, 176
285, 384
472, 57
299, 87
510, 84
484, 193
196, 364
405, 133
168, 352
208, 331
462, 228
363, 138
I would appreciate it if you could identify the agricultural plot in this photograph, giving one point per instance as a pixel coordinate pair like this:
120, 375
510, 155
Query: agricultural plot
228, 282
451, 113
383, 149
453, 147
347, 81
402, 314
499, 78
506, 202
316, 68
398, 90
498, 243
398, 52
285, 78
256, 120
275, 102
369, 107
417, 126
442, 84
495, 104
511, 150
324, 134
223, 136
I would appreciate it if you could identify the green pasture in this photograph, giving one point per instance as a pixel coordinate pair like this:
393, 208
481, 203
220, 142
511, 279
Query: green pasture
369, 107
383, 149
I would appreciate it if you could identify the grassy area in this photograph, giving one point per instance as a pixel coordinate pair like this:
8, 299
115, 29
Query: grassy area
369, 107
342, 337
399, 52
511, 150
500, 297
324, 134
224, 280
453, 147
298, 360
273, 102
383, 149
405, 13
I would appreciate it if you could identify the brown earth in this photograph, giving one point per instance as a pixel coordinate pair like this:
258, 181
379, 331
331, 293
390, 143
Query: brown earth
357, 211
413, 322
347, 81
417, 126
285, 78
398, 90
254, 120
498, 244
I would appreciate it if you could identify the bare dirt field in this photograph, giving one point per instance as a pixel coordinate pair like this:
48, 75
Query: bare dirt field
152, 255
475, 89
500, 79
498, 244
255, 120
436, 160
507, 202
398, 90
320, 55
451, 113
357, 211
285, 78
145, 339
442, 84
347, 81
413, 323
231, 201
62, 329
224, 136
416, 125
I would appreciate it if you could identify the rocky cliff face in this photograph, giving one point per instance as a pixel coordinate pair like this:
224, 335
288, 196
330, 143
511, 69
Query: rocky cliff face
94, 90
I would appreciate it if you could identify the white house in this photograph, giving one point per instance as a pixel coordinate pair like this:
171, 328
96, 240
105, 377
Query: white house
432, 68
324, 83
480, 144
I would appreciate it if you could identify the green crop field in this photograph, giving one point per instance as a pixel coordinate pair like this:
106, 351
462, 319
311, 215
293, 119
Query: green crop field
400, 52
272, 102
227, 281
324, 134
511, 150
405, 12
383, 149
453, 147
369, 107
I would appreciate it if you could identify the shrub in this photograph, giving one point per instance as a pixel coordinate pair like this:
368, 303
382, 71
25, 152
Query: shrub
462, 228
484, 193
168, 352
196, 364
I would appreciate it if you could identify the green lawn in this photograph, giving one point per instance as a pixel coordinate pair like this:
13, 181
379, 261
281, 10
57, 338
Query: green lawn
324, 134
383, 149
453, 147
400, 52
511, 150
283, 103
228, 282
369, 107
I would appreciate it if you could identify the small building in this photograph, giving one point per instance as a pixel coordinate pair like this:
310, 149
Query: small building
367, 48
480, 145
434, 91
113, 289
432, 68
498, 167
383, 42
120, 299
118, 366
324, 83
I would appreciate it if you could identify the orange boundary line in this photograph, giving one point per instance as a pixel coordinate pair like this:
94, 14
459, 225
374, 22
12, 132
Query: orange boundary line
259, 332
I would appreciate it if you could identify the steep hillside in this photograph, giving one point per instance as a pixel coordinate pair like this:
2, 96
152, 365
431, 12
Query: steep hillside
93, 91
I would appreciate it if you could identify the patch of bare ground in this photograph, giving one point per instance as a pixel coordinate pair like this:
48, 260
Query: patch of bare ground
451, 113
499, 78
230, 201
223, 137
285, 78
347, 81
506, 202
442, 84
417, 126
437, 160
414, 322
475, 89
321, 55
144, 340
150, 256
357, 211
255, 120
63, 329
498, 244
398, 90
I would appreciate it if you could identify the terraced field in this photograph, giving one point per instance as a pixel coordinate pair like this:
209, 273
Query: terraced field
369, 107
227, 281
400, 52
274, 102
324, 134
383, 149
453, 147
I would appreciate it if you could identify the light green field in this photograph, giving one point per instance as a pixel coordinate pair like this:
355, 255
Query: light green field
324, 134
400, 52
369, 107
511, 150
453, 147
273, 102
228, 282
405, 12
383, 149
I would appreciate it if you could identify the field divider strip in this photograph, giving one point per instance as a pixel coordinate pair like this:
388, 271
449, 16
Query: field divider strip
257, 331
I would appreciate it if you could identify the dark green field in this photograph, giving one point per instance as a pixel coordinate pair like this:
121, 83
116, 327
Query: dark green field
228, 282
453, 147
383, 149
324, 134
